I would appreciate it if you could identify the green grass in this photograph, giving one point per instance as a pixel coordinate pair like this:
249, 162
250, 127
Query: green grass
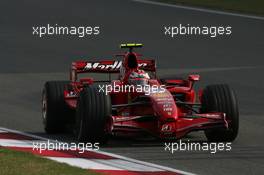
21, 163
243, 6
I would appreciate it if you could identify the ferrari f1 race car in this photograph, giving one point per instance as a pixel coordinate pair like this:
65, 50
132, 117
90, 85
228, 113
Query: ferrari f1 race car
136, 102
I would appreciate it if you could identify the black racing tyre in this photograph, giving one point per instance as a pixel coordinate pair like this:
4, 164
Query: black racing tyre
55, 112
221, 98
93, 115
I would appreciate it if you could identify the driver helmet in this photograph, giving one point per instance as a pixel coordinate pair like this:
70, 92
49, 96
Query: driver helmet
138, 78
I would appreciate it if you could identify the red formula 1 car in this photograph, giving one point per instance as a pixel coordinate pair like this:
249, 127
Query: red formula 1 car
136, 102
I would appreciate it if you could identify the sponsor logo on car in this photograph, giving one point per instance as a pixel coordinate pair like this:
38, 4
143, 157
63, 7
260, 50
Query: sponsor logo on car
104, 66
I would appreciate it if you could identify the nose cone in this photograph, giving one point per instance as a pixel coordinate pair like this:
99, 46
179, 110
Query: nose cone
164, 105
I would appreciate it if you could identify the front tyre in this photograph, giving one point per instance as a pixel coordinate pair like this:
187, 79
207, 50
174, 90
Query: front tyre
93, 116
221, 98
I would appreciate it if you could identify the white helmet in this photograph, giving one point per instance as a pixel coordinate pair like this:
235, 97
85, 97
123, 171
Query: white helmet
138, 78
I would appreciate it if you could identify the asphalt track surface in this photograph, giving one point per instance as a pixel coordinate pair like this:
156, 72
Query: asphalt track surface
28, 61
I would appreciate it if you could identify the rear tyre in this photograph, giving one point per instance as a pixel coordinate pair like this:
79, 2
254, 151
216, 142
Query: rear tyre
55, 112
93, 116
221, 98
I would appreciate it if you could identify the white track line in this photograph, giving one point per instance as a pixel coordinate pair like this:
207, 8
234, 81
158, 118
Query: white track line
151, 165
127, 165
200, 9
84, 163
16, 143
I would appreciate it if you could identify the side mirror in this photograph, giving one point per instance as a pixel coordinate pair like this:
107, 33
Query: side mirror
194, 77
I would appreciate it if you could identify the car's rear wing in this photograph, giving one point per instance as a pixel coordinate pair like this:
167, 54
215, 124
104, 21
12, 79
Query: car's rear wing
107, 66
